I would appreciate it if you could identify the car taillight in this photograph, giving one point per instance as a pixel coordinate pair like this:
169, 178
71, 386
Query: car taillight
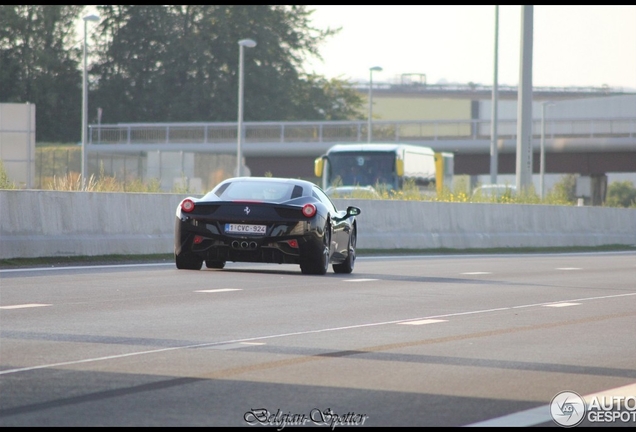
187, 205
309, 210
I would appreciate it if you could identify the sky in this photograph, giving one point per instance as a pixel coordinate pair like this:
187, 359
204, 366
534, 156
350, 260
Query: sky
573, 46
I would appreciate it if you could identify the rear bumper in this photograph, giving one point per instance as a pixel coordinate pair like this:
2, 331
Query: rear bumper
210, 244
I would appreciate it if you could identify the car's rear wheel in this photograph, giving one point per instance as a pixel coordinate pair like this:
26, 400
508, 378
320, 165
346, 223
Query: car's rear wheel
320, 264
213, 264
188, 261
347, 265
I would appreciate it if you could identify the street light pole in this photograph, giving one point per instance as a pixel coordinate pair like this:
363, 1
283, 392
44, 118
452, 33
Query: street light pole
250, 44
369, 131
544, 105
87, 18
494, 151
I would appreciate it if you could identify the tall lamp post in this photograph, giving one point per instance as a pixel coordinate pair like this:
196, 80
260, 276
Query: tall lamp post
250, 44
87, 18
371, 70
494, 151
544, 106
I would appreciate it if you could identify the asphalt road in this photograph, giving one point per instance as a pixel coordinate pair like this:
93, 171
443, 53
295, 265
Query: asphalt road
403, 341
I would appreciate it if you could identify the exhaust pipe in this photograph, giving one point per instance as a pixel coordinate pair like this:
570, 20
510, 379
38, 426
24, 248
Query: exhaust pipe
244, 244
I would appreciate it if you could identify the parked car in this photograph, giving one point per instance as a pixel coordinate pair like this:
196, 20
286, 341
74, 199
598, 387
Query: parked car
494, 191
268, 220
353, 192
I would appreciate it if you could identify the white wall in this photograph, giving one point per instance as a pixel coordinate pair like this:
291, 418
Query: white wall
600, 107
17, 142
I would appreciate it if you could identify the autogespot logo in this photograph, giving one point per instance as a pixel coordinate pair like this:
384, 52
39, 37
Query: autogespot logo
567, 409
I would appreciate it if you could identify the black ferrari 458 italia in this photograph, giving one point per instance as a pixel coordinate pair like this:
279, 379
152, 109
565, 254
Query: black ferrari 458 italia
267, 220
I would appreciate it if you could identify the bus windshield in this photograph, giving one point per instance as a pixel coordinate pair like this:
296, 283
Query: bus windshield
362, 169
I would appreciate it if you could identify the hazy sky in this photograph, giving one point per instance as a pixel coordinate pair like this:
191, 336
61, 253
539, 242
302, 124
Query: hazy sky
573, 45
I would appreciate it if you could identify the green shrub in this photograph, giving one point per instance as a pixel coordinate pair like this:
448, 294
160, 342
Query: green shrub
5, 183
621, 194
564, 191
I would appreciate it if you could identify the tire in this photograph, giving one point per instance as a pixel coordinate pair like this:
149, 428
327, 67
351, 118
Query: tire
320, 264
187, 261
212, 264
347, 265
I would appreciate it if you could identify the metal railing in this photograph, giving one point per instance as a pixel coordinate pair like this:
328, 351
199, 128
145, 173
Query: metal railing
353, 131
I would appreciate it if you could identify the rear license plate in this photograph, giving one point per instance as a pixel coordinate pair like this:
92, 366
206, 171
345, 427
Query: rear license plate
245, 229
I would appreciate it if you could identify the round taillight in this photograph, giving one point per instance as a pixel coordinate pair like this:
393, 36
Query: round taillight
187, 205
309, 210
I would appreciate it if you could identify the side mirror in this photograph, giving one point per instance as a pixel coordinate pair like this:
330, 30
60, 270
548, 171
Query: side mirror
399, 167
352, 211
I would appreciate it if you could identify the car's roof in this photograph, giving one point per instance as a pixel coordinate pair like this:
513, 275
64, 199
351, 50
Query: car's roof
272, 189
351, 188
495, 190
497, 186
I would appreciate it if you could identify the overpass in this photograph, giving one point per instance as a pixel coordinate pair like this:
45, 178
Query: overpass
585, 146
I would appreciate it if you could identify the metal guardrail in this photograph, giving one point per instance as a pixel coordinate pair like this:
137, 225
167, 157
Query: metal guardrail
353, 131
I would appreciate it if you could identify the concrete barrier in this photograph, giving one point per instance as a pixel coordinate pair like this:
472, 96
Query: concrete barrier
435, 225
52, 223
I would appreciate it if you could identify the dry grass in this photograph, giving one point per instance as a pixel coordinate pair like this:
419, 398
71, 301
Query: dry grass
72, 182
410, 192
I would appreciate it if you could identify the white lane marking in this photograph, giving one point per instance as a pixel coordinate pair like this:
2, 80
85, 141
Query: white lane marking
28, 305
359, 280
558, 305
522, 418
281, 335
422, 322
535, 416
625, 391
476, 273
569, 268
219, 290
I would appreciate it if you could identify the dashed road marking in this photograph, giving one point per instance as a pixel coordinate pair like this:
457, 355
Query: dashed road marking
280, 335
218, 290
569, 268
557, 305
476, 273
22, 306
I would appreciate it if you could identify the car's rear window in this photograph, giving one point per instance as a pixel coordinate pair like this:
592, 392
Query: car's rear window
259, 191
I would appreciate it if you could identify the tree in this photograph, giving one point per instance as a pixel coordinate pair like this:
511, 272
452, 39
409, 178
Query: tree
621, 194
172, 63
180, 63
564, 190
37, 66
